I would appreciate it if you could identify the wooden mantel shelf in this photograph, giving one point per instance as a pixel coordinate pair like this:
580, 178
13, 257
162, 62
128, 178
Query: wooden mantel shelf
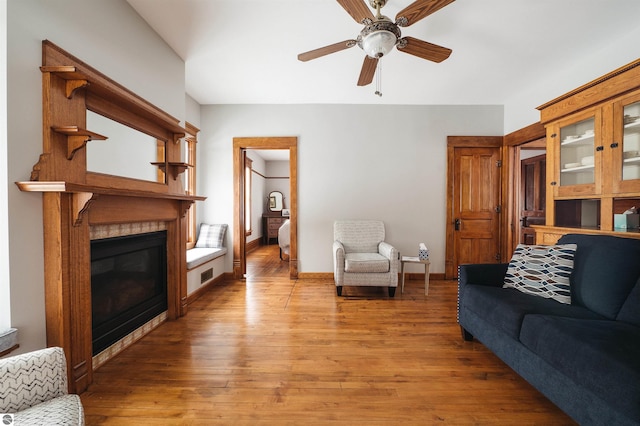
83, 195
59, 186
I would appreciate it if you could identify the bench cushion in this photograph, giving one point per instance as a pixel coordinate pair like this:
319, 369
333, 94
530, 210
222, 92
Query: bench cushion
197, 256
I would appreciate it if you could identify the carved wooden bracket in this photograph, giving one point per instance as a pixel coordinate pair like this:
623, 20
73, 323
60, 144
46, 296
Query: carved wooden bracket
35, 171
185, 207
74, 80
81, 202
77, 138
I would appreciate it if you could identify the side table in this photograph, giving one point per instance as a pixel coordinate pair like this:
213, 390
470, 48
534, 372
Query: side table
415, 259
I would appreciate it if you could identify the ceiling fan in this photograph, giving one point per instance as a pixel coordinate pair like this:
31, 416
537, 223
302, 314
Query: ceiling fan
380, 34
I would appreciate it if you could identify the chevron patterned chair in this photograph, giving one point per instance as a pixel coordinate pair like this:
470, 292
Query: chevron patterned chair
361, 257
33, 387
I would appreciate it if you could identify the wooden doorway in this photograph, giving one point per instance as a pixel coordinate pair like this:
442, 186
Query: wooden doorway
532, 196
473, 201
517, 146
239, 243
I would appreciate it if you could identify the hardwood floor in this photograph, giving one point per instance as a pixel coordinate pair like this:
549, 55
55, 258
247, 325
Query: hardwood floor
273, 351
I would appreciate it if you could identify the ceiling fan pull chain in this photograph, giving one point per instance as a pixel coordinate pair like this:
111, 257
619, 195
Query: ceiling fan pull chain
379, 80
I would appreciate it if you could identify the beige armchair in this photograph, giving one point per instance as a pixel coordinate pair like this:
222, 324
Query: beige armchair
33, 388
361, 257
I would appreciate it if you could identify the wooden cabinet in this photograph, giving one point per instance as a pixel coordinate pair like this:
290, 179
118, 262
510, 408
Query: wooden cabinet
270, 226
593, 155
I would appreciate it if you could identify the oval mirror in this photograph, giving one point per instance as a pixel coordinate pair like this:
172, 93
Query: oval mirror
275, 201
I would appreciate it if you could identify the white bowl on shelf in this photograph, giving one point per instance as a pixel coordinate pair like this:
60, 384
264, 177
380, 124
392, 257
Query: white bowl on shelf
631, 154
572, 165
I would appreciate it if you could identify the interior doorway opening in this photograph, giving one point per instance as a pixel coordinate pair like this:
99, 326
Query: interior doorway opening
240, 146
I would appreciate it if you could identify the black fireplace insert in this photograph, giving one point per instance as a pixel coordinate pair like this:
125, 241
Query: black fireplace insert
128, 285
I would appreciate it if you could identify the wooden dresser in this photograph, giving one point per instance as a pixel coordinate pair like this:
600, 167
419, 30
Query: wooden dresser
270, 225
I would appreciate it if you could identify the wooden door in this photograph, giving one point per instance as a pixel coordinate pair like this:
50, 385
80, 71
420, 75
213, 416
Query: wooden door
532, 196
473, 232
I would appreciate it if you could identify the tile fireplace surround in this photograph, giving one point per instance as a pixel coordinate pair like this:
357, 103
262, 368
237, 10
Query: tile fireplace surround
99, 232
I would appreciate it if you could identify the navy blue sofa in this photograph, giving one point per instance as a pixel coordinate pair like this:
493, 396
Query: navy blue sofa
584, 357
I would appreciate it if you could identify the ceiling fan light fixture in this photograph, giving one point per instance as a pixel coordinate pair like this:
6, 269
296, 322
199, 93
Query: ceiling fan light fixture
378, 38
379, 43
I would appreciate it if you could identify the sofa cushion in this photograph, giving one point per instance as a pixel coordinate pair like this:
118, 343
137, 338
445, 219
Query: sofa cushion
630, 311
365, 262
542, 271
506, 307
211, 236
605, 269
601, 355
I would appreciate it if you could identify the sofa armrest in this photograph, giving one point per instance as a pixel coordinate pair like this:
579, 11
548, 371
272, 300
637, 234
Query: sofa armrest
31, 378
489, 274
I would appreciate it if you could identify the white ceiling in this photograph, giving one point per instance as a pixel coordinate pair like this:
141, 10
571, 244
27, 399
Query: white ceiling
245, 51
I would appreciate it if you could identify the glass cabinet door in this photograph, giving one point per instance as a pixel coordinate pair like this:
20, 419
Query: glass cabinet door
578, 155
626, 146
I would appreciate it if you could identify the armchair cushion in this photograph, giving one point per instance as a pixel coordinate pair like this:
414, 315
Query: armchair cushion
365, 262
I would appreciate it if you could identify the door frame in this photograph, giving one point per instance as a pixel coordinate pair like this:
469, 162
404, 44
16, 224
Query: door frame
454, 142
512, 181
239, 242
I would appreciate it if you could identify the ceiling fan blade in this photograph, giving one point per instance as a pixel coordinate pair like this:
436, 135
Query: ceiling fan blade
419, 9
368, 71
357, 9
424, 49
332, 48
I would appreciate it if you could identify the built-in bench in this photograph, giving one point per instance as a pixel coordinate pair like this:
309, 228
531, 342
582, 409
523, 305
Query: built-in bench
197, 256
206, 261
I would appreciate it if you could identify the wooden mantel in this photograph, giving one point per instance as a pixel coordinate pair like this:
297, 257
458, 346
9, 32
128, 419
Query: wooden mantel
74, 199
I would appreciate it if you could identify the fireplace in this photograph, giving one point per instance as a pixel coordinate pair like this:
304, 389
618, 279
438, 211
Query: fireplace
128, 285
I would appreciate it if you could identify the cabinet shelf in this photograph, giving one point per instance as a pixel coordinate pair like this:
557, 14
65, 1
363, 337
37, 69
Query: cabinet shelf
586, 168
582, 140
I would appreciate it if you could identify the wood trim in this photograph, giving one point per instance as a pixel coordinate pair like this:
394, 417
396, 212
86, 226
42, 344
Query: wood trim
511, 180
252, 245
203, 289
239, 243
9, 350
618, 82
527, 134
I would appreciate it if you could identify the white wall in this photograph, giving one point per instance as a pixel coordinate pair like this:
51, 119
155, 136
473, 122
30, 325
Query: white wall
5, 294
520, 110
278, 172
380, 162
258, 196
111, 37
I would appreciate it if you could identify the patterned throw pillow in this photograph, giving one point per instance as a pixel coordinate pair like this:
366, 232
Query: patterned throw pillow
542, 271
211, 236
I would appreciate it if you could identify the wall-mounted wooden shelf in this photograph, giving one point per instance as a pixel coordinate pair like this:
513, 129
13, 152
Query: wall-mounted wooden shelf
77, 138
175, 169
